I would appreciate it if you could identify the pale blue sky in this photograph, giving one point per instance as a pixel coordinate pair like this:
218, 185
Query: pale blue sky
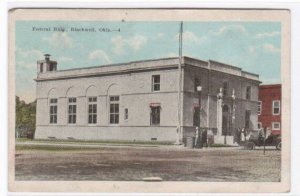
252, 46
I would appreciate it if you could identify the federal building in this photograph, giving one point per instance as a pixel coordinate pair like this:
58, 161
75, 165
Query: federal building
150, 100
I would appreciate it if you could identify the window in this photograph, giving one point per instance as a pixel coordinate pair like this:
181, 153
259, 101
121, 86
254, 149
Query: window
259, 107
196, 83
50, 67
126, 114
53, 111
248, 92
156, 83
247, 119
225, 88
114, 110
196, 118
72, 110
275, 125
155, 115
92, 110
41, 67
259, 125
276, 107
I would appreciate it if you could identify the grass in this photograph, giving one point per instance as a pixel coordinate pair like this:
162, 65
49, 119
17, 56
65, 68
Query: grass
38, 144
87, 142
221, 145
21, 147
218, 145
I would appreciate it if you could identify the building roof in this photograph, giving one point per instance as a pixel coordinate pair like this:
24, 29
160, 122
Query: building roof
268, 86
144, 65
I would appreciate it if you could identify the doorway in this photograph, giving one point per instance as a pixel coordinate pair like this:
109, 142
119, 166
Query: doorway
225, 120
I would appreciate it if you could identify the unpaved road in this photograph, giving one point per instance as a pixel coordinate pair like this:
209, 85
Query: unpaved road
136, 163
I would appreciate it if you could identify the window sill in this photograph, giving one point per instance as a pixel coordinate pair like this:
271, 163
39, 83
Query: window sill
71, 124
92, 125
113, 125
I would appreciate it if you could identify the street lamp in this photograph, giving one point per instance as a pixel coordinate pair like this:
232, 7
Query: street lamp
220, 94
199, 90
219, 111
233, 107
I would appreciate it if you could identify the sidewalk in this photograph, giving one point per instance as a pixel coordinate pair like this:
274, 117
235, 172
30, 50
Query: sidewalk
93, 145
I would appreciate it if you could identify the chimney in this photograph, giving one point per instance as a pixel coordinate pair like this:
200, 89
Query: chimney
46, 65
47, 57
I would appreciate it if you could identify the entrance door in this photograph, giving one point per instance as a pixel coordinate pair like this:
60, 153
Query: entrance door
225, 121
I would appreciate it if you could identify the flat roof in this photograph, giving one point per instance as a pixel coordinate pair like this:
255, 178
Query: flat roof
144, 65
270, 86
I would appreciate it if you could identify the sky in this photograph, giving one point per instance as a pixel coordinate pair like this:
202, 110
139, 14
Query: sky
252, 46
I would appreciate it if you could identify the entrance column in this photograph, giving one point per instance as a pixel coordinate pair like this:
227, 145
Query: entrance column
219, 112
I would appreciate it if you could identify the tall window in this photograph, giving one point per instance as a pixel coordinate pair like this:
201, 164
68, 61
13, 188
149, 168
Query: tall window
53, 111
72, 110
196, 117
92, 110
114, 110
248, 92
126, 114
259, 107
197, 83
155, 115
156, 83
276, 107
225, 88
247, 119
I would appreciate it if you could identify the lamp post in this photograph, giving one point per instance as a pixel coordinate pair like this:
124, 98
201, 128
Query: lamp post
219, 111
233, 113
199, 90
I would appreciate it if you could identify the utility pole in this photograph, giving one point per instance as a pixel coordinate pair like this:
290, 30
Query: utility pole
179, 131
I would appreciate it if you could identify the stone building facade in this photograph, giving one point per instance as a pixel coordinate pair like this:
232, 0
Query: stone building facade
140, 101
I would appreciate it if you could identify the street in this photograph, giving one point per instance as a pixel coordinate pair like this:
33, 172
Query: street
125, 163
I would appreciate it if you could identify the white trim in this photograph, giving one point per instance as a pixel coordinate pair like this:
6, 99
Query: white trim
114, 102
273, 127
273, 102
87, 109
69, 104
153, 83
49, 110
259, 106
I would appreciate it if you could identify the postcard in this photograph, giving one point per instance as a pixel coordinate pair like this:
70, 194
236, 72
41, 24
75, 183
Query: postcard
149, 100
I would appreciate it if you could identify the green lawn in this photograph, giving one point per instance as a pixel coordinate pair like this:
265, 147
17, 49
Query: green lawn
88, 142
41, 147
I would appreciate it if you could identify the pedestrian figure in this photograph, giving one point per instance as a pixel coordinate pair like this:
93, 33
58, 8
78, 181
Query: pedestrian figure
238, 135
196, 137
243, 135
210, 137
204, 138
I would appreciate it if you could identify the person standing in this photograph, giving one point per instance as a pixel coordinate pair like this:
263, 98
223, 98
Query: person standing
204, 138
243, 135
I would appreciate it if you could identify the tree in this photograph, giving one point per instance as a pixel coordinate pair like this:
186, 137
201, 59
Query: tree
25, 117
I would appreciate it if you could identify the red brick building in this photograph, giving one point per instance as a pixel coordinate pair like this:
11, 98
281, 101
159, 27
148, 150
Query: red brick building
269, 107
